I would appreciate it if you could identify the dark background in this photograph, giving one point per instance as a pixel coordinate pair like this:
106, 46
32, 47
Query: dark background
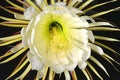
6, 69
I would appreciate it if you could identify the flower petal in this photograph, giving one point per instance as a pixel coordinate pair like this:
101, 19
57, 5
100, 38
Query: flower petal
36, 63
96, 48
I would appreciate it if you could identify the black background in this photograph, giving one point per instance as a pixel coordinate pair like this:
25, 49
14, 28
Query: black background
6, 69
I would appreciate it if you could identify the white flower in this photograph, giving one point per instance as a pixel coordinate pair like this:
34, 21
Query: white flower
52, 39
57, 37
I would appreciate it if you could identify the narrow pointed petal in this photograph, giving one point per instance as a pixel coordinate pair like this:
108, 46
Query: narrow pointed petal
94, 70
86, 74
14, 56
51, 75
22, 65
12, 50
45, 74
107, 56
74, 76
7, 10
110, 63
24, 3
85, 4
13, 4
67, 75
33, 5
103, 29
27, 70
12, 25
14, 20
104, 12
98, 5
106, 38
10, 37
100, 24
106, 47
99, 64
10, 42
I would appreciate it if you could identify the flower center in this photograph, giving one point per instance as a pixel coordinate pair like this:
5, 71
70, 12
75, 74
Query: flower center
58, 41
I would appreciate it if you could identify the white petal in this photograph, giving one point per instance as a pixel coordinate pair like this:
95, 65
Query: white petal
41, 3
67, 75
35, 61
60, 3
85, 48
23, 31
96, 48
41, 72
74, 11
81, 35
62, 58
70, 66
91, 36
58, 68
30, 13
24, 41
51, 59
75, 54
79, 22
82, 65
88, 18
87, 53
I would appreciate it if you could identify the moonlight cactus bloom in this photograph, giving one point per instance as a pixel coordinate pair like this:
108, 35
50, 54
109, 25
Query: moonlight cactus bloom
53, 41
58, 37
